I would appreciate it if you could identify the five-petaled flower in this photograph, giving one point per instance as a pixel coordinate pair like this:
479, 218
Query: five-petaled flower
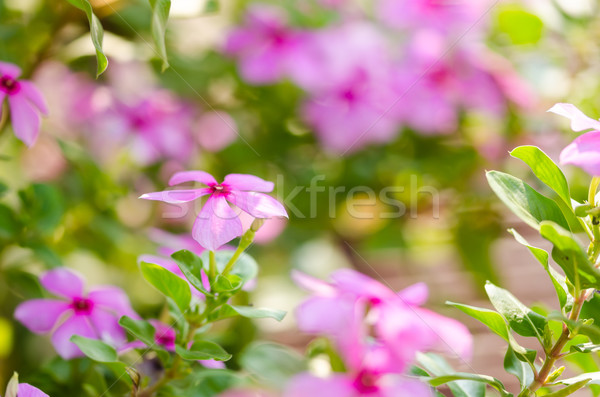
217, 223
92, 315
24, 101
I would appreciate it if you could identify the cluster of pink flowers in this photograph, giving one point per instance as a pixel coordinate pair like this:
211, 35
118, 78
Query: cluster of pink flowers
365, 83
131, 115
376, 331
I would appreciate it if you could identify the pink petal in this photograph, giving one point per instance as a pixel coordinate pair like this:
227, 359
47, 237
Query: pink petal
357, 283
9, 69
176, 196
26, 390
246, 182
415, 295
76, 325
216, 224
304, 385
127, 347
164, 332
40, 315
453, 336
579, 121
258, 205
584, 152
34, 96
113, 299
406, 387
312, 284
107, 328
168, 264
193, 176
24, 118
213, 364
63, 282
324, 315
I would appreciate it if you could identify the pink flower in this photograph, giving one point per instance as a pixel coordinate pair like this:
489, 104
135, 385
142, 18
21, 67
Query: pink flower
25, 103
584, 151
217, 223
216, 130
92, 315
26, 390
265, 46
171, 243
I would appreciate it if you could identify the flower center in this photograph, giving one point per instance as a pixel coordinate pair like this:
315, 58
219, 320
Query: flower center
219, 189
165, 339
9, 85
366, 382
82, 305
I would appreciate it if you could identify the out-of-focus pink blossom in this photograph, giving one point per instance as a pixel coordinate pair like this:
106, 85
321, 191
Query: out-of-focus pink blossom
265, 45
170, 243
92, 315
434, 85
217, 223
155, 127
269, 231
25, 103
216, 130
376, 331
584, 151
446, 16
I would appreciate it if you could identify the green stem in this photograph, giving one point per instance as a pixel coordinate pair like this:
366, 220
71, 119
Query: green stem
212, 263
245, 242
595, 247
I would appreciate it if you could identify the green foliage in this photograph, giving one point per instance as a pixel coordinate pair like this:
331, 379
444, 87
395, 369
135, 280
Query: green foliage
140, 329
160, 15
227, 311
95, 349
168, 283
203, 350
520, 26
191, 267
272, 363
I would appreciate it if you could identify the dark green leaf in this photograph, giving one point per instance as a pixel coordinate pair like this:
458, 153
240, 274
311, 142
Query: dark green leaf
168, 283
203, 350
95, 349
9, 226
518, 368
96, 32
141, 329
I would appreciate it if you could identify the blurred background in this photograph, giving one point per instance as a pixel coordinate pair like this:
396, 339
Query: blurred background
375, 120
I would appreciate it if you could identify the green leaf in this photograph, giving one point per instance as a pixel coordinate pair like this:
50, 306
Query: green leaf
593, 377
96, 32
9, 225
227, 311
521, 319
567, 391
519, 25
95, 349
228, 283
203, 350
585, 348
168, 283
272, 363
545, 169
570, 256
160, 15
558, 280
191, 267
525, 202
141, 329
43, 205
518, 368
245, 267
458, 376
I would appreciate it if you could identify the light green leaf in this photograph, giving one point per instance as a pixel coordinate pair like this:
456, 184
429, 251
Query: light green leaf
160, 15
96, 32
518, 368
570, 256
95, 349
525, 202
245, 267
227, 311
168, 283
203, 350
141, 329
567, 391
519, 25
585, 348
191, 267
558, 280
521, 319
272, 363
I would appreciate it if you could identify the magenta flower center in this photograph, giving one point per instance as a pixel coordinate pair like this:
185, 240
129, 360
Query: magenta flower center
219, 189
366, 382
9, 85
165, 339
82, 305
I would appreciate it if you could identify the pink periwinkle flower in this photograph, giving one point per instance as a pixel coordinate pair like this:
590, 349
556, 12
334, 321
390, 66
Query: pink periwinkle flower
584, 151
377, 332
265, 45
446, 16
25, 103
26, 390
92, 315
217, 223
216, 130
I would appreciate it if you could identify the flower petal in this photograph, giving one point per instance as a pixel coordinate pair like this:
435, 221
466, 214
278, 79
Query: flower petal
10, 69
304, 384
579, 121
584, 152
246, 182
107, 328
63, 282
415, 295
406, 387
216, 224
176, 196
312, 284
34, 95
40, 315
113, 299
213, 364
61, 339
24, 118
453, 336
26, 390
193, 176
258, 205
168, 264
